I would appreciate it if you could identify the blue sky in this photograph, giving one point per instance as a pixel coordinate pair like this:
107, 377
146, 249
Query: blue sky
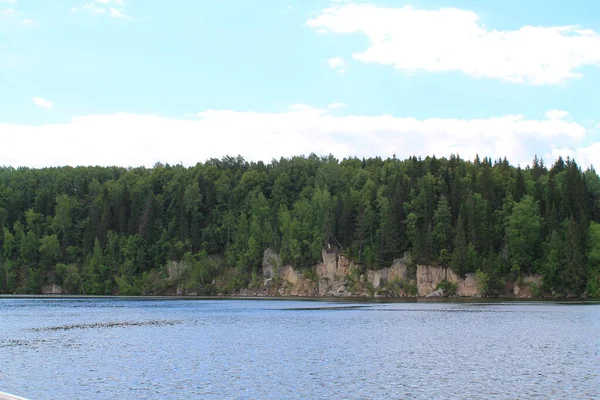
187, 80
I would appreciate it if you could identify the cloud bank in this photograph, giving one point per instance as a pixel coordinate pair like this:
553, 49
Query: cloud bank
132, 140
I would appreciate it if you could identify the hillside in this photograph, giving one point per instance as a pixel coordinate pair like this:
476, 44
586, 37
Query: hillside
205, 229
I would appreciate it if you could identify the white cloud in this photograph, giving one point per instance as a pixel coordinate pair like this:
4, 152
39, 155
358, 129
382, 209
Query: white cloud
301, 129
451, 39
114, 8
9, 1
27, 21
337, 105
8, 11
41, 102
116, 13
556, 114
337, 63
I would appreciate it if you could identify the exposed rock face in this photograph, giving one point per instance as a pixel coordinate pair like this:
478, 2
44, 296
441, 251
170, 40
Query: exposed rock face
332, 274
295, 283
336, 276
428, 277
397, 271
52, 289
271, 264
468, 287
436, 293
522, 289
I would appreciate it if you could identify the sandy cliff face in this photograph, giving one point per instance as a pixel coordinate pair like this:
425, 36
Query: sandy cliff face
333, 274
271, 264
336, 276
468, 287
428, 277
52, 289
379, 278
523, 288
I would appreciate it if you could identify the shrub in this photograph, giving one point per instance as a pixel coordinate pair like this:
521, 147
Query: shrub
483, 282
449, 288
593, 286
536, 290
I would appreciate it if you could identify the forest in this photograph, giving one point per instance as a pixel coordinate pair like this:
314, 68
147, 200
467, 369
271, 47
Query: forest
113, 230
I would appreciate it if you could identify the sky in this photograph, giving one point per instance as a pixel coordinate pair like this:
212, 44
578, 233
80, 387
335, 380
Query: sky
136, 82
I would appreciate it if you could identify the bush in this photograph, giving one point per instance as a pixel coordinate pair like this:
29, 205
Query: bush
536, 290
449, 288
126, 288
68, 278
593, 286
310, 274
483, 282
410, 287
398, 287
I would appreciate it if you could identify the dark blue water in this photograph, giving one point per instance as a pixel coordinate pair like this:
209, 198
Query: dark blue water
251, 349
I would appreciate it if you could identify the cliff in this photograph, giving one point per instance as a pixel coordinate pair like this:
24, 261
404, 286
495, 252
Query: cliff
338, 276
428, 278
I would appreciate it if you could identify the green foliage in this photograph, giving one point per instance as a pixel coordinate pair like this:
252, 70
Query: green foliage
67, 276
536, 290
126, 287
449, 288
523, 234
116, 230
460, 256
310, 274
593, 286
483, 282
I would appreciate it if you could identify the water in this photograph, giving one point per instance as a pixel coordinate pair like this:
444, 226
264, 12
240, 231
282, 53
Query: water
252, 349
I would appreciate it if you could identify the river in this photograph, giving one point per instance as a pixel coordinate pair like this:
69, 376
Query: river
289, 349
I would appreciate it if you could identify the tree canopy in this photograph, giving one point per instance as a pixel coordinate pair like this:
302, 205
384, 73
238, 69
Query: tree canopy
105, 230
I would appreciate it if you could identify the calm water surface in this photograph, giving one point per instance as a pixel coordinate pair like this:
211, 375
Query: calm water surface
252, 349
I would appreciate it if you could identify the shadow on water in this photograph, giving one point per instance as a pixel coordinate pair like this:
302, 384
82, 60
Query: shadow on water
100, 325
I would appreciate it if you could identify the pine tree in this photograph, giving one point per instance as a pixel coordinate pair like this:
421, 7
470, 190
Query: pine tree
459, 256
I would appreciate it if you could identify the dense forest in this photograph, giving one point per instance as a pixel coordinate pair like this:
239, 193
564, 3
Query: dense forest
107, 230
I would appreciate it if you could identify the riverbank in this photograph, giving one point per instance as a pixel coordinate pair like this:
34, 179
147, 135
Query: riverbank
366, 300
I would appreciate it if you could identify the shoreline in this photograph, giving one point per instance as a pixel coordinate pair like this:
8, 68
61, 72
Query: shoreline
466, 300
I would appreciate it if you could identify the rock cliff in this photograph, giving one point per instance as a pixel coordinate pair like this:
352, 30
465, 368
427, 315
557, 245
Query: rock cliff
527, 287
337, 276
428, 277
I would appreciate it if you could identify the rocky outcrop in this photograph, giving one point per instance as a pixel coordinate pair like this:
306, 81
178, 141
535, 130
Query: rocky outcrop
436, 293
398, 271
467, 287
524, 288
271, 264
333, 274
52, 289
428, 278
295, 284
338, 276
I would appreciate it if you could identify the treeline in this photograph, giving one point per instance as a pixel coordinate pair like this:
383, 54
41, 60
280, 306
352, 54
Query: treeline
97, 230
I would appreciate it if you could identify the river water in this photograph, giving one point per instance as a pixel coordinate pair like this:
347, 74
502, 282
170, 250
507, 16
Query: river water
270, 349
